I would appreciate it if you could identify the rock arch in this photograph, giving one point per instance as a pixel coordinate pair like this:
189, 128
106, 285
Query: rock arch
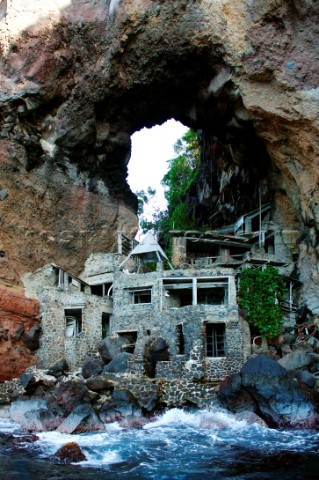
80, 80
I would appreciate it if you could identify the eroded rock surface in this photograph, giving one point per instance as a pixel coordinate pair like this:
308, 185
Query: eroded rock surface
18, 317
78, 78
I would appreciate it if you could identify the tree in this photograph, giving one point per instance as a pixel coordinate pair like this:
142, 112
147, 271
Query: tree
261, 292
182, 172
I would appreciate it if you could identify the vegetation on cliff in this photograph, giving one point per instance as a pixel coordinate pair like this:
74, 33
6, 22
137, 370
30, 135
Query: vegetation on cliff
261, 292
181, 174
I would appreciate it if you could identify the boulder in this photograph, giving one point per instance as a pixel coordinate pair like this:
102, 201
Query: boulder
70, 453
277, 396
71, 393
60, 367
110, 346
100, 382
307, 378
118, 364
125, 403
33, 377
83, 419
250, 418
233, 396
297, 359
33, 415
91, 366
31, 339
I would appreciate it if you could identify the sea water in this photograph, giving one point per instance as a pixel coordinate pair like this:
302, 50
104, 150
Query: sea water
179, 445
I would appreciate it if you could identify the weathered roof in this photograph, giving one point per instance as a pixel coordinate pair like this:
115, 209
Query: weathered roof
148, 245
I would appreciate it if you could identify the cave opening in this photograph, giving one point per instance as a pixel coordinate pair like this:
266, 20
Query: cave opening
152, 148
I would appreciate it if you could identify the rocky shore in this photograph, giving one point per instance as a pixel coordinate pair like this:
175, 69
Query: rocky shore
280, 393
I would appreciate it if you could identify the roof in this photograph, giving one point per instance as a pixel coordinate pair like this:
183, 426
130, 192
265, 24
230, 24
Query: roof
148, 245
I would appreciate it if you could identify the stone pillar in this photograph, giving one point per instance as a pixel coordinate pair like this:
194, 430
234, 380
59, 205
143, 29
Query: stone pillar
179, 250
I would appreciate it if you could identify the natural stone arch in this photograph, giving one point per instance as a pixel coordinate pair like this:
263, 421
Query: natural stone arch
216, 66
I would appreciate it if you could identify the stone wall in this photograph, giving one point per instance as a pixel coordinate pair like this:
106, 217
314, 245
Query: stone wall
172, 393
157, 319
54, 343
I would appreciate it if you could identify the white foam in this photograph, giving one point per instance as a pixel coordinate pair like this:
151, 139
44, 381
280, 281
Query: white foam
8, 426
204, 419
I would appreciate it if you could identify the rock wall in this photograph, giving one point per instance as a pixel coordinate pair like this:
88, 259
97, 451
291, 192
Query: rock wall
18, 319
78, 78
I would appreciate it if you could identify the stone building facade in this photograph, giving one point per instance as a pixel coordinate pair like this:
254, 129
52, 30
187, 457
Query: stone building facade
71, 316
193, 308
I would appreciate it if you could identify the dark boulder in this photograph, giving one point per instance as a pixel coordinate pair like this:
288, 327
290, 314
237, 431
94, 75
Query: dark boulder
110, 346
60, 367
156, 350
308, 379
83, 419
298, 358
91, 366
31, 339
70, 453
71, 393
100, 382
118, 364
233, 396
125, 403
278, 398
32, 378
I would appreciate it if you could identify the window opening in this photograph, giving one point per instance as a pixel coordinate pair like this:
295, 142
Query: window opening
105, 324
101, 290
62, 279
195, 291
141, 296
73, 322
180, 341
215, 340
130, 337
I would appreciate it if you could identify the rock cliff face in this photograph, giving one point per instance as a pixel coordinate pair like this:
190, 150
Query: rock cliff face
78, 78
18, 332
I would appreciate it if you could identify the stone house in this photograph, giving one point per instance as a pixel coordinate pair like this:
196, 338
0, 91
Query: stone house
192, 308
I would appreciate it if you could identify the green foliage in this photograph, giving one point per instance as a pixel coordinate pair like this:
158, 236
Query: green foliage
261, 292
182, 169
182, 172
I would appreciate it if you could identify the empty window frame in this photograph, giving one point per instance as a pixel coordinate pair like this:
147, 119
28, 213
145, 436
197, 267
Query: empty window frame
196, 291
102, 290
105, 324
178, 292
62, 279
212, 291
215, 340
180, 341
141, 296
73, 322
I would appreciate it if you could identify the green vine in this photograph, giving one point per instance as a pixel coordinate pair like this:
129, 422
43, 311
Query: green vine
261, 292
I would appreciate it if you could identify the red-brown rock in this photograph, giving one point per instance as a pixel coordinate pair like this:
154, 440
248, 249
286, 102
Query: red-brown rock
18, 316
70, 453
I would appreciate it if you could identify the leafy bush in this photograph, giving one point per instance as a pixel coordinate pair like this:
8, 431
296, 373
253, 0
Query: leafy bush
261, 292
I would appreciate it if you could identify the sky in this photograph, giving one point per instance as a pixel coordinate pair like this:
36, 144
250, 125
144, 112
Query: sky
151, 149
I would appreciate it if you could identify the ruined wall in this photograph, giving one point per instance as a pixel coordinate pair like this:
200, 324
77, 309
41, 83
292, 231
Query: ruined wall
158, 319
54, 344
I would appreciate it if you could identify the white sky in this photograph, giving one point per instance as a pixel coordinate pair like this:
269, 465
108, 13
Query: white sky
151, 148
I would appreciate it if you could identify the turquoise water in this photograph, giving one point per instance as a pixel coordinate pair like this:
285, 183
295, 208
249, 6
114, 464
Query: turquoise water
180, 445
